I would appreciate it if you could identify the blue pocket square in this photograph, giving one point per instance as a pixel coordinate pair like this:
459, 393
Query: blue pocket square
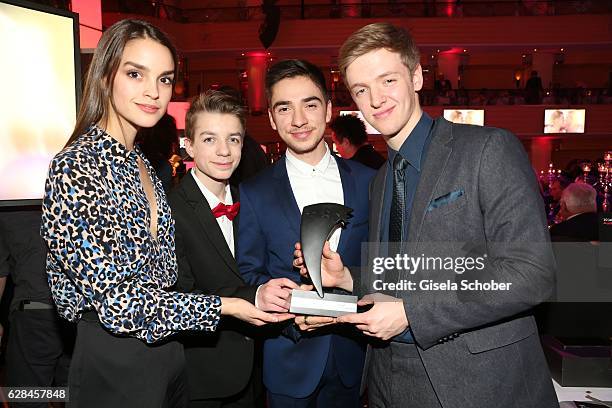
444, 200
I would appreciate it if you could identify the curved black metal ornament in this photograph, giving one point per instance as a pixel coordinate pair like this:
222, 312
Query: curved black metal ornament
319, 221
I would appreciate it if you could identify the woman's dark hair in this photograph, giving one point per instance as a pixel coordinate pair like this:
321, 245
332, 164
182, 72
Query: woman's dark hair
98, 91
158, 142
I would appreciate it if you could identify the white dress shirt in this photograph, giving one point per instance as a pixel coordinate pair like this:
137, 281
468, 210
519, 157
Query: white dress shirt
316, 184
224, 223
313, 185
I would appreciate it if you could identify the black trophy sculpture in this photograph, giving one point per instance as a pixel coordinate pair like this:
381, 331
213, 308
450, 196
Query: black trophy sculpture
319, 221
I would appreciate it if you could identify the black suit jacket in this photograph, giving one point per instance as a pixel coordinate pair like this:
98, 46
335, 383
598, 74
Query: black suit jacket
219, 364
581, 228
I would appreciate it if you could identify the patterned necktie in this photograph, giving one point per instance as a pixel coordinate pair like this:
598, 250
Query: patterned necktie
398, 202
230, 211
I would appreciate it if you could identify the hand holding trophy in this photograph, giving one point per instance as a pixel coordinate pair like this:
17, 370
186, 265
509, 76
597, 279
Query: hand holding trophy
319, 221
333, 272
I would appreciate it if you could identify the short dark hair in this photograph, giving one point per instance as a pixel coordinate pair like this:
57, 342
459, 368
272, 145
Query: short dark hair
294, 68
351, 128
97, 100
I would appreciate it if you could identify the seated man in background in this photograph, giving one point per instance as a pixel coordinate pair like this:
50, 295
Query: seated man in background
583, 277
349, 135
554, 199
578, 209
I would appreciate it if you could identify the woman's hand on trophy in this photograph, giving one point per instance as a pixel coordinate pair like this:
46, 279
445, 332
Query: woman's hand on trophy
246, 311
310, 323
333, 272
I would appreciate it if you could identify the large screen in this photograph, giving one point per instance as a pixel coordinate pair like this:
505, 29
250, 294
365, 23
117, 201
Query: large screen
369, 129
466, 116
564, 120
40, 73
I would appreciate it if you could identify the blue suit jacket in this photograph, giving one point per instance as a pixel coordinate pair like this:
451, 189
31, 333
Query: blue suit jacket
268, 229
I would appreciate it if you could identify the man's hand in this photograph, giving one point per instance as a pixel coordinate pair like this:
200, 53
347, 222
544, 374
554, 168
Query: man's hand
310, 323
274, 295
385, 320
333, 272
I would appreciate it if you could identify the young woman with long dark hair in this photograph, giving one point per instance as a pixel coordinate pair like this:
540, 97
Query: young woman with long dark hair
111, 236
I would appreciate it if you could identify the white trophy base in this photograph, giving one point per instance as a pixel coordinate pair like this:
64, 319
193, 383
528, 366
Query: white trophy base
332, 305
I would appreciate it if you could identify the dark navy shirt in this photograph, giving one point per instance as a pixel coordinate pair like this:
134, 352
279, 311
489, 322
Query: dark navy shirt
414, 150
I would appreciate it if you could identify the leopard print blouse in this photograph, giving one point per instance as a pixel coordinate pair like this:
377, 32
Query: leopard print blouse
102, 255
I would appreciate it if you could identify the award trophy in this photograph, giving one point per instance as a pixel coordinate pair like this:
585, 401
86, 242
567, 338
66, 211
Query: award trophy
319, 221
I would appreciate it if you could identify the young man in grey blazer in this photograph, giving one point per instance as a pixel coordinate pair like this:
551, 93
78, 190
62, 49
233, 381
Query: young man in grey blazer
444, 185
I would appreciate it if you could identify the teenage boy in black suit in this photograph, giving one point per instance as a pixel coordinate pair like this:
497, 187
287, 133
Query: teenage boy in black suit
205, 209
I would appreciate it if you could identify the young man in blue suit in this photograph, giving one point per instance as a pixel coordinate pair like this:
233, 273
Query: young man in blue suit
324, 369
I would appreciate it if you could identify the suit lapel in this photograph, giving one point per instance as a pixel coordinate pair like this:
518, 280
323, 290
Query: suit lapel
435, 162
377, 195
208, 222
285, 197
348, 192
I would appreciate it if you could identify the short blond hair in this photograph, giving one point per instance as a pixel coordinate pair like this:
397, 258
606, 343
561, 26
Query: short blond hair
213, 101
376, 36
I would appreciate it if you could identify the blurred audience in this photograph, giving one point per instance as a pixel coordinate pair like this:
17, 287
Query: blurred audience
254, 158
533, 89
480, 99
554, 199
349, 135
442, 84
462, 97
548, 98
573, 169
519, 99
578, 210
159, 143
446, 97
501, 97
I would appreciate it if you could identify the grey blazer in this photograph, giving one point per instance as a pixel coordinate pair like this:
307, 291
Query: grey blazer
480, 349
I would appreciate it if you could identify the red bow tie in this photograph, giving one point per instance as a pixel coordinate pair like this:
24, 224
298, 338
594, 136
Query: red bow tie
230, 211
